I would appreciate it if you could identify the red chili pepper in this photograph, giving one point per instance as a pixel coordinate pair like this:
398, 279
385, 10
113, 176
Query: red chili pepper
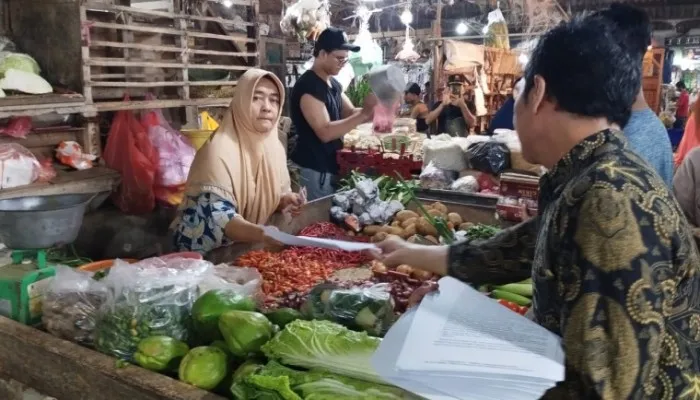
511, 306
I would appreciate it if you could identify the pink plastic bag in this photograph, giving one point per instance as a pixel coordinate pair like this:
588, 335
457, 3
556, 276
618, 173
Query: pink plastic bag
384, 117
175, 156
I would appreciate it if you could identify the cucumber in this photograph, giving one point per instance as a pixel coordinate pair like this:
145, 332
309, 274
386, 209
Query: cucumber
522, 289
512, 297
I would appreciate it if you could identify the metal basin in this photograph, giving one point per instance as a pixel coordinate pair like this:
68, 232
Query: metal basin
40, 222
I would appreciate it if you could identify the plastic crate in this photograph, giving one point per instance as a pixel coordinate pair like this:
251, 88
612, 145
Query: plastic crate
377, 162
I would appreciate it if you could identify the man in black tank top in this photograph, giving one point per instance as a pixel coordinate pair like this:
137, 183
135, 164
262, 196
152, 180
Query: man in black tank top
418, 109
322, 114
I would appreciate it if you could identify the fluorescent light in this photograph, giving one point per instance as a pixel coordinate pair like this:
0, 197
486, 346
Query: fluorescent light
227, 3
485, 30
406, 17
461, 28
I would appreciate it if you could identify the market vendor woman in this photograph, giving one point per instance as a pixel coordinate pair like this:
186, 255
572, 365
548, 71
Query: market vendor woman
240, 177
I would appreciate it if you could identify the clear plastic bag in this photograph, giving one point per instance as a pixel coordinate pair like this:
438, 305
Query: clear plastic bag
18, 127
384, 117
18, 166
465, 184
433, 177
175, 155
150, 298
70, 305
368, 309
490, 157
242, 280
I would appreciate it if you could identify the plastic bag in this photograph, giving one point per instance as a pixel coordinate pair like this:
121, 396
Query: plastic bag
207, 122
70, 305
497, 31
18, 127
243, 280
129, 151
305, 19
362, 309
149, 298
487, 183
370, 54
47, 171
384, 117
175, 156
433, 177
18, 166
491, 157
71, 154
465, 184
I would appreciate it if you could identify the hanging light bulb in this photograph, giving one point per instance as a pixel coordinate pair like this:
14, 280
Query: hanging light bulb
227, 3
406, 17
461, 28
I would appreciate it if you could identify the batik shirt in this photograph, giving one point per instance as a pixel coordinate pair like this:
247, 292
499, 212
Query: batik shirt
615, 274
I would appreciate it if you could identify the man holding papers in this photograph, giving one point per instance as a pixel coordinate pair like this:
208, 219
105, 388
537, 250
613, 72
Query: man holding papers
611, 256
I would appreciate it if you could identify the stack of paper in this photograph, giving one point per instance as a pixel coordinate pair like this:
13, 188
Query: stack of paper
460, 344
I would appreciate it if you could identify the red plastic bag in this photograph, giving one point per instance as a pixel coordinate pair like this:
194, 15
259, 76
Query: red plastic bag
175, 156
18, 127
129, 151
46, 171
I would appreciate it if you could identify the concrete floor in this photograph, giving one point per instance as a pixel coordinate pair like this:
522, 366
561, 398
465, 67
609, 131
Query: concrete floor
13, 390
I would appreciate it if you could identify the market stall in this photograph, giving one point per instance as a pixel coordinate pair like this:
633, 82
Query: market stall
258, 304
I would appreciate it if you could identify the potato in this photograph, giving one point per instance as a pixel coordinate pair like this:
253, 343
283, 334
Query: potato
450, 226
379, 237
404, 215
455, 218
464, 226
396, 231
409, 222
385, 229
436, 213
396, 224
404, 269
440, 207
371, 230
409, 231
432, 239
424, 228
421, 275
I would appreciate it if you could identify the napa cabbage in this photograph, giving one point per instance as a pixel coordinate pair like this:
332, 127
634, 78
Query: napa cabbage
326, 346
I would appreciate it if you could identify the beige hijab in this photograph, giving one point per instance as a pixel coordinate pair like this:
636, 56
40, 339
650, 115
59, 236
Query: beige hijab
240, 164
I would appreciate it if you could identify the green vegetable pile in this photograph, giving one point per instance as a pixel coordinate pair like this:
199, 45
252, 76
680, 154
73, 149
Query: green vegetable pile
482, 232
358, 91
250, 358
389, 188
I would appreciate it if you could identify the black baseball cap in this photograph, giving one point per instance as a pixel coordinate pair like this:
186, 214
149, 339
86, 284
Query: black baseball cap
334, 39
413, 88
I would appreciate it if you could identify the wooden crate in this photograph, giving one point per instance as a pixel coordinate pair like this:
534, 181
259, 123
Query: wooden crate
128, 50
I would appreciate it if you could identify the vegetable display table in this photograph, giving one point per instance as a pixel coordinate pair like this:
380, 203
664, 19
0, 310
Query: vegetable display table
68, 371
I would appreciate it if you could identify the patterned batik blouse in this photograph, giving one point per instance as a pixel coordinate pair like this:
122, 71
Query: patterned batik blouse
615, 274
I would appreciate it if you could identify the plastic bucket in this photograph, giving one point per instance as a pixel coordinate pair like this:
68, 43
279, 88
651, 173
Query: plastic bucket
103, 265
197, 136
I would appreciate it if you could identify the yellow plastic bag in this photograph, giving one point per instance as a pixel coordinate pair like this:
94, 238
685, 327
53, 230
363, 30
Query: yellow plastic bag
207, 122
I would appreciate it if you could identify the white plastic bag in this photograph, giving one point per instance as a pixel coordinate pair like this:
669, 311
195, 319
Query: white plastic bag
465, 184
433, 177
18, 166
151, 297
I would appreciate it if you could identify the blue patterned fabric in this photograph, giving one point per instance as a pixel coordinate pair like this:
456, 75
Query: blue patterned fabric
201, 223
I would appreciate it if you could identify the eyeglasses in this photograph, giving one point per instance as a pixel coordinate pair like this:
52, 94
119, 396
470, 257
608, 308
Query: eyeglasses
341, 60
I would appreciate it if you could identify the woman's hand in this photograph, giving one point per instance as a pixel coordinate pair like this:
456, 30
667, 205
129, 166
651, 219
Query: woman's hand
395, 251
291, 202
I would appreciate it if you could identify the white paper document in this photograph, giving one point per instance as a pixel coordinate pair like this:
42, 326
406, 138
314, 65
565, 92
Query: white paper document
460, 344
306, 241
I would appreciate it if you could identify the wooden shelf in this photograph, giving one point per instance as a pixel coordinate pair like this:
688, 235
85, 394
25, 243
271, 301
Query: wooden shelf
94, 180
33, 105
92, 110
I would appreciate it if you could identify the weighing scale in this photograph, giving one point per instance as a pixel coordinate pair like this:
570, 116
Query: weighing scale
29, 226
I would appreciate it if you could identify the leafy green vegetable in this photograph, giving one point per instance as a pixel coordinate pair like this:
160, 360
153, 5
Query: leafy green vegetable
389, 188
275, 381
326, 346
482, 232
19, 61
358, 91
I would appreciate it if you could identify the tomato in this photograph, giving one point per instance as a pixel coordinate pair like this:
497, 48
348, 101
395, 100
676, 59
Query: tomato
511, 306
